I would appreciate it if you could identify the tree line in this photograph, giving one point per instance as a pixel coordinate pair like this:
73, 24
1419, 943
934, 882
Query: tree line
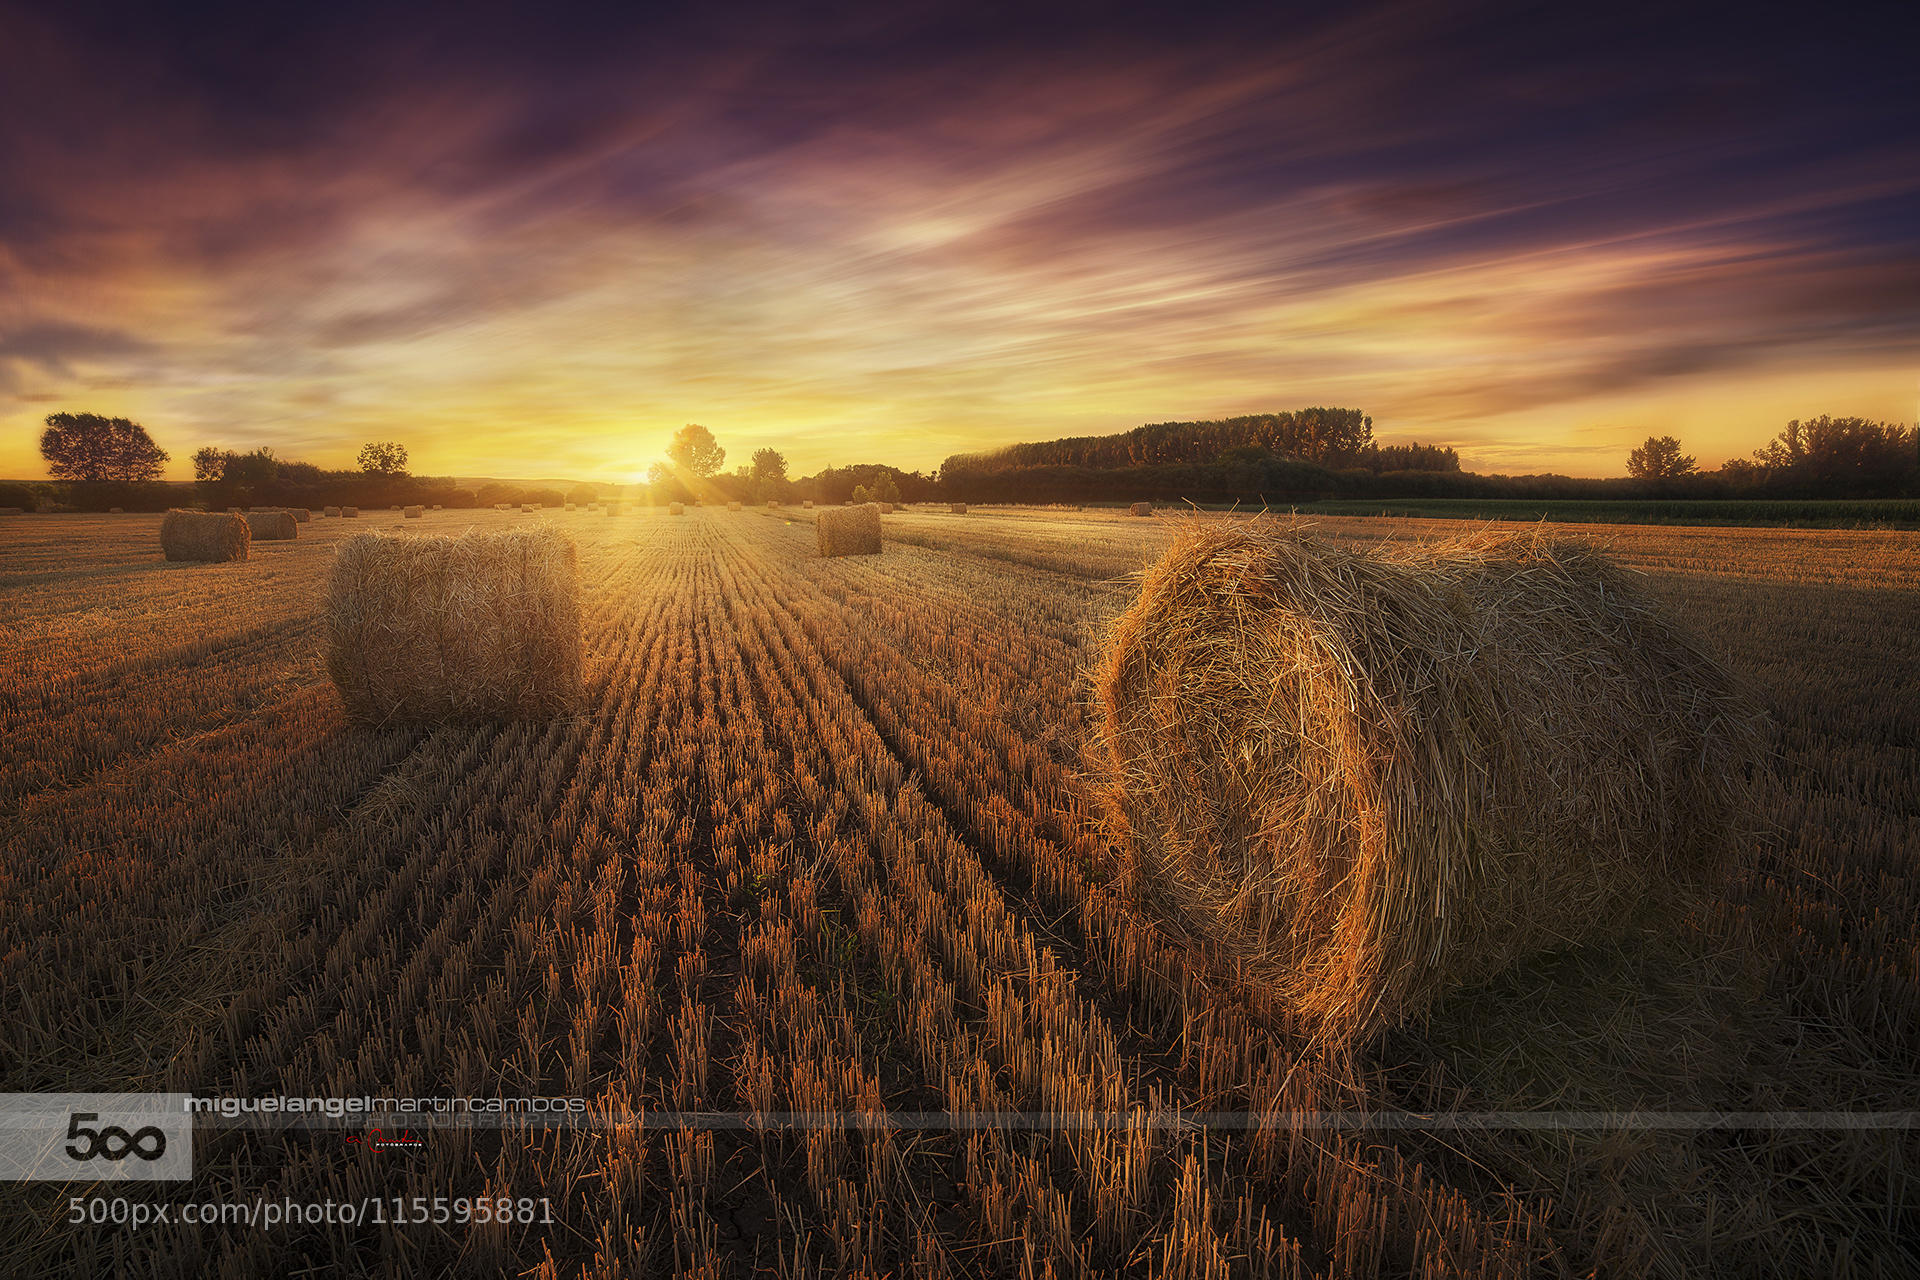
98, 462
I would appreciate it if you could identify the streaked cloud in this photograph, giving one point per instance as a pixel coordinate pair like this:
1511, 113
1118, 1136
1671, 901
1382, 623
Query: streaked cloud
906, 233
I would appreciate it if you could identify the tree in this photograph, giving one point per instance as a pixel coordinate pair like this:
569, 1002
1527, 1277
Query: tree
89, 447
1840, 456
1659, 459
695, 450
384, 458
664, 484
210, 464
769, 466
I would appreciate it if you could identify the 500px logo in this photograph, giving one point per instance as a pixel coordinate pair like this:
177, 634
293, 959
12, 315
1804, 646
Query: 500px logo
100, 1142
95, 1137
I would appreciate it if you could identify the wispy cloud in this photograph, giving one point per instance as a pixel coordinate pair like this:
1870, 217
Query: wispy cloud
909, 232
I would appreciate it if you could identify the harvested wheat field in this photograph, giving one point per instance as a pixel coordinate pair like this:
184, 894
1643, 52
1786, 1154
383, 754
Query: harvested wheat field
1058, 893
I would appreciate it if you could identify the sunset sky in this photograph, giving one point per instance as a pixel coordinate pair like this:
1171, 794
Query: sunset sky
532, 243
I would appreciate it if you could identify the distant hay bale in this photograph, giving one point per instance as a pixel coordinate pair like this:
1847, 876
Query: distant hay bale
350, 513
1374, 776
612, 511
1140, 509
675, 509
957, 508
773, 504
429, 629
300, 514
114, 511
886, 508
808, 504
204, 535
415, 512
272, 526
569, 506
733, 506
536, 506
527, 508
330, 511
438, 507
394, 507
849, 531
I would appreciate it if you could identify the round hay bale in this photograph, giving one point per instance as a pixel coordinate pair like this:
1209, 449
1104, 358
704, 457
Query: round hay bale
675, 509
1140, 509
569, 506
733, 506
349, 513
527, 508
438, 507
301, 515
330, 511
886, 508
414, 513
773, 504
204, 535
1373, 776
612, 511
957, 508
272, 526
849, 531
429, 629
808, 504
394, 507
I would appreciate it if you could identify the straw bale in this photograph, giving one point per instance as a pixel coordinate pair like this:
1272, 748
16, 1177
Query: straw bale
204, 535
350, 513
957, 508
886, 508
1374, 776
733, 506
675, 509
330, 511
272, 526
849, 531
427, 629
414, 512
1140, 509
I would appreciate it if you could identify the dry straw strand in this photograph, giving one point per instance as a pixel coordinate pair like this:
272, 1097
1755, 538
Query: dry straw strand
1374, 776
204, 535
435, 628
849, 531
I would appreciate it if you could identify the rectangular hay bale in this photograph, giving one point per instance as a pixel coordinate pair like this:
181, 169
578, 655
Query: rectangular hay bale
204, 535
432, 629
